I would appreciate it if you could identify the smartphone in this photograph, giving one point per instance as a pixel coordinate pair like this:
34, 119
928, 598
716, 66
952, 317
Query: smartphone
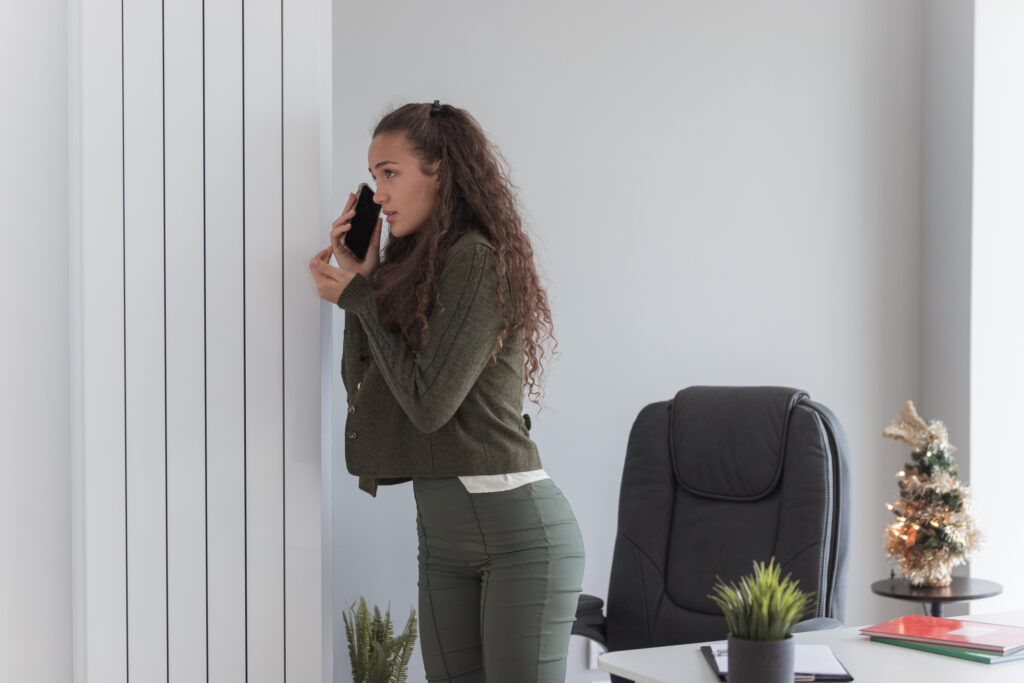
357, 239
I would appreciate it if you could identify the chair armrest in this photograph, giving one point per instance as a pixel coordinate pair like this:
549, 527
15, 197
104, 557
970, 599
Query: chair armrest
817, 624
590, 620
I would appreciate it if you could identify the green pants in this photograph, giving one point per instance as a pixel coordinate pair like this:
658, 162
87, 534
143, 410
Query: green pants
499, 578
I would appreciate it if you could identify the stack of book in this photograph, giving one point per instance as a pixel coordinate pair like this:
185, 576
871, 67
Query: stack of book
974, 640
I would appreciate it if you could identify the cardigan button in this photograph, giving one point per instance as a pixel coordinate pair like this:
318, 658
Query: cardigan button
351, 408
359, 385
350, 435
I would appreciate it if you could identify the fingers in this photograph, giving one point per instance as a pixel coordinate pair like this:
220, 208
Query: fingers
341, 228
339, 231
348, 212
320, 267
329, 281
321, 273
375, 239
345, 218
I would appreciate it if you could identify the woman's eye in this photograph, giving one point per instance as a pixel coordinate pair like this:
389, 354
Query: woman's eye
388, 173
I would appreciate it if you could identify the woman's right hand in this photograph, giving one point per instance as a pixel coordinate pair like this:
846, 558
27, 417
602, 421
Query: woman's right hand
346, 259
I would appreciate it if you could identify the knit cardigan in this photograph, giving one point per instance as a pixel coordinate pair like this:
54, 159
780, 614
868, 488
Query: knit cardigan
448, 410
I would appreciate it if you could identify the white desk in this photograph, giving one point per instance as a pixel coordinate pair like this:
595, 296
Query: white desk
866, 661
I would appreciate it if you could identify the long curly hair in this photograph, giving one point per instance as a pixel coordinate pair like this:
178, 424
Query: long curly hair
474, 193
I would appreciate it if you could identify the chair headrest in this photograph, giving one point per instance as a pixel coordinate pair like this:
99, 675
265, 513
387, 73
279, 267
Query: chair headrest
728, 442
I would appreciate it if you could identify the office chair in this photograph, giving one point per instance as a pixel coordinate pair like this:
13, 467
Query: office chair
715, 479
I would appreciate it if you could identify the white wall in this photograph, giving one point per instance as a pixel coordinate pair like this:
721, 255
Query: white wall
35, 463
946, 193
997, 319
720, 193
946, 175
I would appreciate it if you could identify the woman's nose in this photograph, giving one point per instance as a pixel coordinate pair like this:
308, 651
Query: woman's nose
378, 196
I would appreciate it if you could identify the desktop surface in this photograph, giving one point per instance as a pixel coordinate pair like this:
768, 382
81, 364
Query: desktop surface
866, 661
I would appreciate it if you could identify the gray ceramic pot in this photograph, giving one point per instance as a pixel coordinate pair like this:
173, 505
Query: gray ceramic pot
761, 661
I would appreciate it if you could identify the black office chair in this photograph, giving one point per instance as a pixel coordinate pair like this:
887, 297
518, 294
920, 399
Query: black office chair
714, 479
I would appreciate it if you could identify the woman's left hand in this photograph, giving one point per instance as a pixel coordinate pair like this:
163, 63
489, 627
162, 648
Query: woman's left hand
330, 281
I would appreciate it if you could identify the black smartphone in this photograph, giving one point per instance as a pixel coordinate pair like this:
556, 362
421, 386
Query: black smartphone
357, 239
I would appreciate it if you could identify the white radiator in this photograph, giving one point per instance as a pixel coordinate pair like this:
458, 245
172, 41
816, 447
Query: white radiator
198, 152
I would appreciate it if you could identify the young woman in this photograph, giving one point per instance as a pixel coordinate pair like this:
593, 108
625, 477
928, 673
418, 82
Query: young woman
443, 336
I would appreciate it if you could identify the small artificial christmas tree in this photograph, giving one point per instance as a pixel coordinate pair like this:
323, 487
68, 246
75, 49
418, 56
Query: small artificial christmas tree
934, 530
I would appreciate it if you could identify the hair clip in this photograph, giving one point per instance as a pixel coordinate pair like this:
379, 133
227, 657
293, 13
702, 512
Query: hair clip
435, 108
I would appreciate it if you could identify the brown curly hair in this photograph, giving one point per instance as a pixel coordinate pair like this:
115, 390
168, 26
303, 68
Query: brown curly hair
474, 193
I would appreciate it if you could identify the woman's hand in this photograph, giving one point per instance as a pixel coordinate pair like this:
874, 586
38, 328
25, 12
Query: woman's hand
346, 259
330, 281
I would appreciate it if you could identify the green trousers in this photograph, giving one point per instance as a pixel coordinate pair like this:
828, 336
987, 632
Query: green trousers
499, 578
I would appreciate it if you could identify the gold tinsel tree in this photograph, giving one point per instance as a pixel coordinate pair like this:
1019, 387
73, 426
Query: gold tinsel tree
934, 530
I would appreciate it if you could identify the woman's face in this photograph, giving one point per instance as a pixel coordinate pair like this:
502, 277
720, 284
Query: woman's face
406, 194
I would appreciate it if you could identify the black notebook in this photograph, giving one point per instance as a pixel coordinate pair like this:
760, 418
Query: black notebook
813, 662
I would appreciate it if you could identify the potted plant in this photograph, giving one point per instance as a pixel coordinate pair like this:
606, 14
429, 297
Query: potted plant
377, 656
761, 611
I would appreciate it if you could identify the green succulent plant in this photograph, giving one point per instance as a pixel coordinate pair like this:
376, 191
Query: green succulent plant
762, 607
377, 656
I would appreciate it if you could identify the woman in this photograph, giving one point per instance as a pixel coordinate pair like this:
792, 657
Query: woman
442, 336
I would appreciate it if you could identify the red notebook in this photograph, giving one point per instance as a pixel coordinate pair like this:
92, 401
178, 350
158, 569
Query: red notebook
974, 634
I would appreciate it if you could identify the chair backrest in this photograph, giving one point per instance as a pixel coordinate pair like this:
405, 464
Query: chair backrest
715, 479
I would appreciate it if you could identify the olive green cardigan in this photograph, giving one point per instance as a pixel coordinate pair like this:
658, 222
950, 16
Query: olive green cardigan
448, 410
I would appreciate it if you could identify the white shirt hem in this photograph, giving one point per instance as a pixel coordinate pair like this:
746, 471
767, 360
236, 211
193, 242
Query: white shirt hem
493, 483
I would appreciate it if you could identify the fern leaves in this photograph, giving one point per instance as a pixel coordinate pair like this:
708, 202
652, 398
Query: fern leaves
377, 656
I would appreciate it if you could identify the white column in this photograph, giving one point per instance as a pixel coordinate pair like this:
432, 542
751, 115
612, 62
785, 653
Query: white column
225, 334
35, 429
262, 250
102, 645
201, 336
306, 222
145, 340
186, 326
997, 319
